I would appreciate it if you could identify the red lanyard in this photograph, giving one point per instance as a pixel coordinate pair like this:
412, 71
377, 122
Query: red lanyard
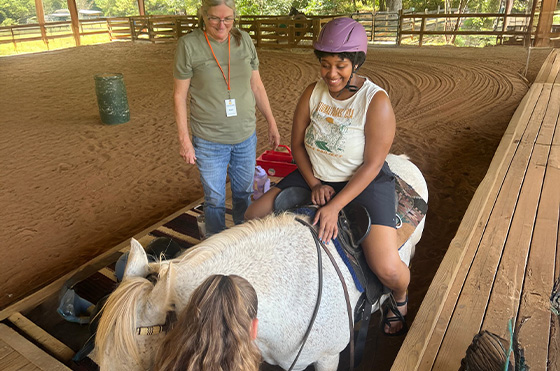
228, 62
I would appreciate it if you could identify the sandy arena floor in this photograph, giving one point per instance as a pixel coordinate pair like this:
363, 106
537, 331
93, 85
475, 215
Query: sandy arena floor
71, 188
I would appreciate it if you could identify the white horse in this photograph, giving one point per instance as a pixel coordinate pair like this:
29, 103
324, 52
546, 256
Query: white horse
278, 256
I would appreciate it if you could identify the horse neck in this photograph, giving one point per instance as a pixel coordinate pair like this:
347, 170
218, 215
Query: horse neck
232, 251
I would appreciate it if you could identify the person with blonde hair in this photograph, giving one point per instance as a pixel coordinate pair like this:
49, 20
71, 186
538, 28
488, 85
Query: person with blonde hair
218, 65
216, 331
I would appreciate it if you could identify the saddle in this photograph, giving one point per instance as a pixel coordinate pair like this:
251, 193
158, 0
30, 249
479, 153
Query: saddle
353, 227
354, 224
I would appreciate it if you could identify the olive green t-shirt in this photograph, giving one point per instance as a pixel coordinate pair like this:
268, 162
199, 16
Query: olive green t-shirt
208, 89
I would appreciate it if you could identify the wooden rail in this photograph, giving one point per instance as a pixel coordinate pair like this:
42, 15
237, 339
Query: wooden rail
502, 262
289, 32
56, 30
453, 25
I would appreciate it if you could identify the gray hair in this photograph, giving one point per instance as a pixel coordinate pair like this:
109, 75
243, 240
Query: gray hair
207, 4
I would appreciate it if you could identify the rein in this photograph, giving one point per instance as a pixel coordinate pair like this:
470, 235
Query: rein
320, 244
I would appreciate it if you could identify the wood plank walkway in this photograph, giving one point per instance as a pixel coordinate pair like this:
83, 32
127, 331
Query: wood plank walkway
502, 262
18, 354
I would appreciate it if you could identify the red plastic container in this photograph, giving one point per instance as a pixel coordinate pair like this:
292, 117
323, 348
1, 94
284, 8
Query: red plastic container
277, 163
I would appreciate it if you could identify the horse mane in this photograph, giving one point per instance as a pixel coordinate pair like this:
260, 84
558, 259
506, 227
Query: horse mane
117, 325
249, 235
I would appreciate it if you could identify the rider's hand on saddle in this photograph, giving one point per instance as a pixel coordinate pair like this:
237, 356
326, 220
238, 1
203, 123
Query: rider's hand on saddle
327, 216
321, 194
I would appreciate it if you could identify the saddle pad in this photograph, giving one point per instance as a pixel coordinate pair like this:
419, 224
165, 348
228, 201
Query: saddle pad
411, 209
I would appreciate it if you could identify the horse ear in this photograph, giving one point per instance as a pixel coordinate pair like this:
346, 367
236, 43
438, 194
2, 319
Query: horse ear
163, 290
137, 265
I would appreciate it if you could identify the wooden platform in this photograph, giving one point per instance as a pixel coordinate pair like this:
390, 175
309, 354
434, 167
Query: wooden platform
18, 354
503, 260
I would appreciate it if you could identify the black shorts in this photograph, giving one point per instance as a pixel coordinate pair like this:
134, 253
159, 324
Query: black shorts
378, 198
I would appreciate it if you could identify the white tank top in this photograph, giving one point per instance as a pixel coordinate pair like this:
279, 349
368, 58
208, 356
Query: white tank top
335, 139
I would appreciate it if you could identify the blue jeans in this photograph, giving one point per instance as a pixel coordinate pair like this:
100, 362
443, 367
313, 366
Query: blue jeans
215, 161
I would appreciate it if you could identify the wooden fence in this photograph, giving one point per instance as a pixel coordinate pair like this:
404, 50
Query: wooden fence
52, 30
502, 26
294, 32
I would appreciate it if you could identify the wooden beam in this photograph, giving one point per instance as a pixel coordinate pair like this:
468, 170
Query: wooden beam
141, 7
544, 26
53, 345
535, 303
41, 20
470, 309
422, 342
37, 357
74, 19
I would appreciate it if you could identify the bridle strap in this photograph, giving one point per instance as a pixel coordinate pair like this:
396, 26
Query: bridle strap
319, 293
344, 288
170, 320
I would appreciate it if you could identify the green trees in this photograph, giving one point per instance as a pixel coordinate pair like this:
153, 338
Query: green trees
20, 11
16, 11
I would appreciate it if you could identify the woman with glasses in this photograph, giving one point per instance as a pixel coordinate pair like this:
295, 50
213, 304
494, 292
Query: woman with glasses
218, 65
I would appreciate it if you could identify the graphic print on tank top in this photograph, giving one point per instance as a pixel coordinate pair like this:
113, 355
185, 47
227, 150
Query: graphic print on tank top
328, 130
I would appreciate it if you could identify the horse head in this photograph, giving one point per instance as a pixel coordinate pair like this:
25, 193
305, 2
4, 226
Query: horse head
133, 321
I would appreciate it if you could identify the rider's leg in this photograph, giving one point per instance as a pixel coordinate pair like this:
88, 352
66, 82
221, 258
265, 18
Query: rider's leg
263, 206
382, 255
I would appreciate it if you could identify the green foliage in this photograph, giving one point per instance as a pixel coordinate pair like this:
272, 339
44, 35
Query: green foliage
16, 11
19, 11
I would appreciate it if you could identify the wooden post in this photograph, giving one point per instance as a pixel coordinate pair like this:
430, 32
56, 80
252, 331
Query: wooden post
151, 34
422, 29
542, 37
41, 19
399, 27
291, 33
74, 19
109, 29
527, 41
371, 26
258, 31
316, 28
132, 28
14, 38
141, 7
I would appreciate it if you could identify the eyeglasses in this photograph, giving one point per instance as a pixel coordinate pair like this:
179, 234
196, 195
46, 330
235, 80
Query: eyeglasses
216, 21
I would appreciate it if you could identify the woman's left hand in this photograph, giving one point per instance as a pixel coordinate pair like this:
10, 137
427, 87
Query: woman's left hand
327, 216
273, 137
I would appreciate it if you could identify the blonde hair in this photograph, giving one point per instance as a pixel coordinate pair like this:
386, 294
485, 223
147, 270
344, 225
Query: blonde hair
213, 331
207, 4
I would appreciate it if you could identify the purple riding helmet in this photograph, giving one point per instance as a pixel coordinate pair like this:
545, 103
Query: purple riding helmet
342, 35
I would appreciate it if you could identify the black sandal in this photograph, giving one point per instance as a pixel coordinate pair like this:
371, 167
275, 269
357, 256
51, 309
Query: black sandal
392, 306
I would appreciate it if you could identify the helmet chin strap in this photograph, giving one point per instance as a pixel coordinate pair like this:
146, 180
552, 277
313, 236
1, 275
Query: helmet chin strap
351, 88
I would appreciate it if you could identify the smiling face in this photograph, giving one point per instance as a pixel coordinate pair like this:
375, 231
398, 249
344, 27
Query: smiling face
219, 21
336, 72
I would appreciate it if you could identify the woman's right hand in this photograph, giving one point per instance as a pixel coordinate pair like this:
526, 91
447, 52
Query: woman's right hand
187, 152
321, 194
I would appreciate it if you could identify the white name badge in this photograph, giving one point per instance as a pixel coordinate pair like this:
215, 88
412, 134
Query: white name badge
231, 110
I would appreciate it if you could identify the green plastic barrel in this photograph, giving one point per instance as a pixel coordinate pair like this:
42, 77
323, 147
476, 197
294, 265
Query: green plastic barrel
111, 98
